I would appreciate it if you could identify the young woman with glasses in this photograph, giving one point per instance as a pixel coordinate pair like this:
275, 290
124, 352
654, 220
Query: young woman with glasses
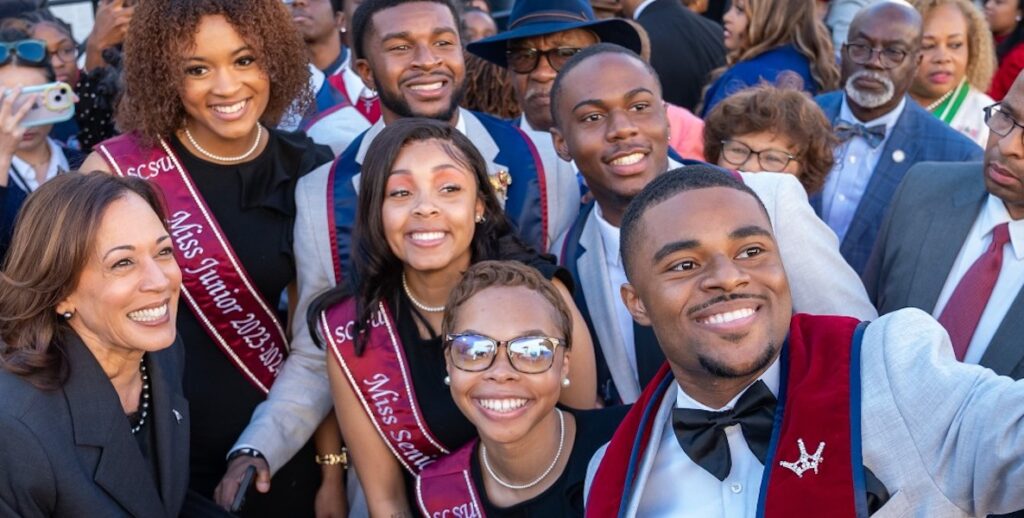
28, 157
766, 128
507, 342
426, 212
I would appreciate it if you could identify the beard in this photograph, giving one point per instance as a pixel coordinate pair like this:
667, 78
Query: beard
867, 99
397, 104
720, 370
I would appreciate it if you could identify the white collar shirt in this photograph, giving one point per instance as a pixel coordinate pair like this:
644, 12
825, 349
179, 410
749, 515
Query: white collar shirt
25, 175
617, 277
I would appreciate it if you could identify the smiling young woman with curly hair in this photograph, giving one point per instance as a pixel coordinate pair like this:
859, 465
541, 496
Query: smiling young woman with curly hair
205, 83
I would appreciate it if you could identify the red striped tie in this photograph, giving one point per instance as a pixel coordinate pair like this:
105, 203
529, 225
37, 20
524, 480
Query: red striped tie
963, 311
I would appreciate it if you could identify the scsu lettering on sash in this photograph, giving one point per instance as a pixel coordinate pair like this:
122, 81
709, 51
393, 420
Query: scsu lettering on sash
467, 510
151, 169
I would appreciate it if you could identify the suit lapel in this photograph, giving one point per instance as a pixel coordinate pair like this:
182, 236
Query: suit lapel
170, 414
1005, 352
601, 303
484, 142
99, 422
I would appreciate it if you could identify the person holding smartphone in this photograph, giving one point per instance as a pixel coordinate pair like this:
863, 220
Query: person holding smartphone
205, 84
28, 157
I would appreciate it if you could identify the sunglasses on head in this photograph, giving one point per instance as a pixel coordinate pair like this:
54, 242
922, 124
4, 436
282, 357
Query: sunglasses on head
32, 51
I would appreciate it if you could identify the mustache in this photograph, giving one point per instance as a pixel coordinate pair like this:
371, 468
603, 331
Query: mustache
724, 298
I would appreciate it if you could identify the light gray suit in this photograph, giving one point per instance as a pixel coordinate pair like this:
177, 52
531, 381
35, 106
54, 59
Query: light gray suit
945, 438
821, 281
930, 216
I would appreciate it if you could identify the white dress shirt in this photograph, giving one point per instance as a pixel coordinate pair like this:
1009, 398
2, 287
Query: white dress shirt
680, 488
354, 86
617, 277
640, 8
1011, 276
26, 174
855, 163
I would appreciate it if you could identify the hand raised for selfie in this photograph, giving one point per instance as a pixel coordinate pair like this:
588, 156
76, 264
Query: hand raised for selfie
11, 130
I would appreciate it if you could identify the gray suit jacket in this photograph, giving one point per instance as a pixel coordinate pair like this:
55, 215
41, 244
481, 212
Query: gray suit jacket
821, 281
70, 452
931, 214
945, 438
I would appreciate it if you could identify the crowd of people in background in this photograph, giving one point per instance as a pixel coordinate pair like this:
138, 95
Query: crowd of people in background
334, 258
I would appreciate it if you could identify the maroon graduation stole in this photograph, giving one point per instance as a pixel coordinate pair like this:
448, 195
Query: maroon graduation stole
445, 488
814, 458
381, 380
216, 286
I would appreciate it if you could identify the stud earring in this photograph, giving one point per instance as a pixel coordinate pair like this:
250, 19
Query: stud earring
67, 315
447, 380
566, 382
480, 219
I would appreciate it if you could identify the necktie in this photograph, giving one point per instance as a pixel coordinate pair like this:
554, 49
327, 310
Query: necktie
648, 353
846, 130
701, 433
963, 311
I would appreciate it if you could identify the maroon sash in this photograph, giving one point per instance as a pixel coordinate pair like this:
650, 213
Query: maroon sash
819, 403
445, 488
216, 286
381, 380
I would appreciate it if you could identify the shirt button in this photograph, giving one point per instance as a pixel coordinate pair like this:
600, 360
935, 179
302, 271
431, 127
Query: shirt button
842, 197
736, 487
853, 160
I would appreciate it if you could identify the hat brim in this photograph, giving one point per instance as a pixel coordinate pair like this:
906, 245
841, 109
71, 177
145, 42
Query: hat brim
617, 31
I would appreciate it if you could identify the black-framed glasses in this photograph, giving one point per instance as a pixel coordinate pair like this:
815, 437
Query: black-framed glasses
1000, 122
473, 352
861, 54
524, 61
33, 51
770, 160
66, 53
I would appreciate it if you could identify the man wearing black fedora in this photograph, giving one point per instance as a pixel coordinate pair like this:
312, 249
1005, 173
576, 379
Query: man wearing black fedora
542, 35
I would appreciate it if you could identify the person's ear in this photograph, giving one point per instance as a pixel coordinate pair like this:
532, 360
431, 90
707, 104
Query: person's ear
340, 21
565, 365
633, 303
366, 73
561, 148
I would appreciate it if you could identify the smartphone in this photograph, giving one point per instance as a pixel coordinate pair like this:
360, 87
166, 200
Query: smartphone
54, 102
243, 488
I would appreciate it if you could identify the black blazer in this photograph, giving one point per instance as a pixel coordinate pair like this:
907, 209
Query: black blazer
685, 48
70, 452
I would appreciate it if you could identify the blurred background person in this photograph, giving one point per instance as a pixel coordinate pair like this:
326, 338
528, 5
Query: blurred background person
28, 157
88, 298
489, 89
205, 84
64, 52
1004, 20
426, 212
777, 41
766, 128
505, 375
477, 24
957, 65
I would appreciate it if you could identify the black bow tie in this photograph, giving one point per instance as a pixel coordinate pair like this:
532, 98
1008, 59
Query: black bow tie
874, 135
701, 433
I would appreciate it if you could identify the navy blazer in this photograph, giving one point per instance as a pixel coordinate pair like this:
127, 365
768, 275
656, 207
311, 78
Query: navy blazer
921, 137
70, 451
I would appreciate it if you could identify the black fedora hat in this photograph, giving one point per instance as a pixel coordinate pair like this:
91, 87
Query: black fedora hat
539, 17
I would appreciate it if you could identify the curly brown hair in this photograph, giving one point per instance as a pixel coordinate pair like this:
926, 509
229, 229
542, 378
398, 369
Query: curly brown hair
787, 112
489, 89
160, 35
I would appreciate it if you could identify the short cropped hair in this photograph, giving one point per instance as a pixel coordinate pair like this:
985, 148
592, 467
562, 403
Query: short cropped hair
361, 20
506, 274
669, 184
787, 112
580, 57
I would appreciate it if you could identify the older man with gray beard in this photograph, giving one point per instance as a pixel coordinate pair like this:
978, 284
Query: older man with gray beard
881, 133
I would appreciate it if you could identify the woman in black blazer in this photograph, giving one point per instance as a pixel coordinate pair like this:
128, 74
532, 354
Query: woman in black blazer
93, 419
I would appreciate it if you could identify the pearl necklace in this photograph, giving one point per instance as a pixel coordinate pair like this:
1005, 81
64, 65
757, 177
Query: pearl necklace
942, 99
243, 156
144, 404
418, 304
558, 455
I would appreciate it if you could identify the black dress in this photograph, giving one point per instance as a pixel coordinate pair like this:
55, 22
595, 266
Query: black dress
594, 428
254, 204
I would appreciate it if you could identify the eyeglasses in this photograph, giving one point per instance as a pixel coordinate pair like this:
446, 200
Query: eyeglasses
33, 51
1000, 122
863, 54
770, 160
527, 354
524, 61
66, 53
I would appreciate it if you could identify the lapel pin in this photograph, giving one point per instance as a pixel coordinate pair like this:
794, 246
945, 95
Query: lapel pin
177, 415
805, 462
898, 156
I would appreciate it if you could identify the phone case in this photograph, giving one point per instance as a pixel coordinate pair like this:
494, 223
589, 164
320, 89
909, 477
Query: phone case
55, 103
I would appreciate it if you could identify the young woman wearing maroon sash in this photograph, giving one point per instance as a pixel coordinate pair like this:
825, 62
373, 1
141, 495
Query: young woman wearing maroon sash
426, 212
505, 374
206, 82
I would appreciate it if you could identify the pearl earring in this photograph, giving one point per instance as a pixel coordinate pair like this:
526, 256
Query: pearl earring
67, 315
480, 218
566, 382
447, 380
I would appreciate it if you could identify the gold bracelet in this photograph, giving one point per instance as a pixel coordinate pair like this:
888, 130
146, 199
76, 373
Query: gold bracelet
334, 459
